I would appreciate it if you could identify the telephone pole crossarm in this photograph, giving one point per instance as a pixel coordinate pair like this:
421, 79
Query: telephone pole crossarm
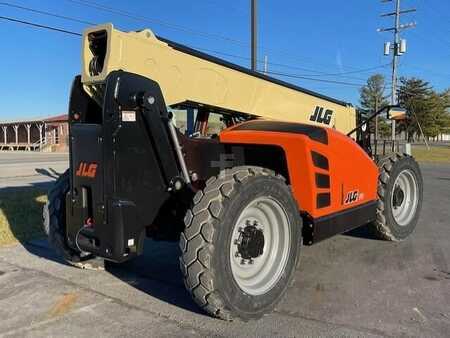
401, 12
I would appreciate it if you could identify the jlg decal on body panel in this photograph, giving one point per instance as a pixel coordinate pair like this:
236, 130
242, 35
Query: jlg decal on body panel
87, 170
353, 196
321, 115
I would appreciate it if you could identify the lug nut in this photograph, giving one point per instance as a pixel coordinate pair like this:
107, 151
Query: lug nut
250, 261
243, 261
237, 254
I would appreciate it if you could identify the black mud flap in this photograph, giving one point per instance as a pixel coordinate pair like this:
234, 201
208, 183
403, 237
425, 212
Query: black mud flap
121, 168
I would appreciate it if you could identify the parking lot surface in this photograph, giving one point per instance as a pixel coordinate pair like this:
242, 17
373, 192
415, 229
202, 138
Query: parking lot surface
19, 169
350, 285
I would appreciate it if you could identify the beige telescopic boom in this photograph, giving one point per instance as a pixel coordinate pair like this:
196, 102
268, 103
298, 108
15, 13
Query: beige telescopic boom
191, 78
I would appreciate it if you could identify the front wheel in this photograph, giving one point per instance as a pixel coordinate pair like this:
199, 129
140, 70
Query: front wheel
241, 243
400, 189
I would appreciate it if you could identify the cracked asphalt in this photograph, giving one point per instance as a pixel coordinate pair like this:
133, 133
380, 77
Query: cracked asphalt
350, 285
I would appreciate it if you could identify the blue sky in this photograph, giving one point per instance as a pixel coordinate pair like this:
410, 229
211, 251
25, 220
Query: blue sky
311, 37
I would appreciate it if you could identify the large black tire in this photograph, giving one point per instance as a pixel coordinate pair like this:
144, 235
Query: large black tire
54, 219
205, 243
386, 226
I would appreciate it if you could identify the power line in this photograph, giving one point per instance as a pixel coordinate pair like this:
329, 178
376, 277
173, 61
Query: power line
364, 70
299, 68
137, 17
40, 26
141, 18
296, 76
232, 6
427, 70
438, 13
28, 9
437, 38
314, 73
440, 19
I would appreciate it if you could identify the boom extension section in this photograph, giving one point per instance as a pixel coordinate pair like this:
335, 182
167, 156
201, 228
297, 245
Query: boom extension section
191, 78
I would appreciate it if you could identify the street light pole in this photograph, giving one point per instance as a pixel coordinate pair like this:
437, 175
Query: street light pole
254, 34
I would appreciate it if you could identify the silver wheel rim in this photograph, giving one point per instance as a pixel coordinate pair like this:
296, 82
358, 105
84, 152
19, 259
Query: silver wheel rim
404, 209
259, 275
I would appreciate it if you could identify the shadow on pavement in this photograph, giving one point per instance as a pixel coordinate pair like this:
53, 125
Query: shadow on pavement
362, 232
156, 272
52, 173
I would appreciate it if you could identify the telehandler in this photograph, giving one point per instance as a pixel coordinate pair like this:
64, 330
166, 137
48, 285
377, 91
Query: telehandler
286, 167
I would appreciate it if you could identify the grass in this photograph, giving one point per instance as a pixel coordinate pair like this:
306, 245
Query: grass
21, 214
435, 154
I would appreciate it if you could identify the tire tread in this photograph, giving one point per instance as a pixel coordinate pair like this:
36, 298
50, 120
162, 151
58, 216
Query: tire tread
197, 252
380, 226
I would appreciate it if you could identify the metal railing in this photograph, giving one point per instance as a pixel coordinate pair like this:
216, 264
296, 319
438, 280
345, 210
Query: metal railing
385, 147
39, 145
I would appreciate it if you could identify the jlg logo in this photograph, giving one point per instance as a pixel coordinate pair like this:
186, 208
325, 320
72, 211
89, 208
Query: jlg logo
321, 116
87, 170
352, 196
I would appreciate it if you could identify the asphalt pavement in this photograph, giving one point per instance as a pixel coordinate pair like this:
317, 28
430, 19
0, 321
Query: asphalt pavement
26, 168
350, 285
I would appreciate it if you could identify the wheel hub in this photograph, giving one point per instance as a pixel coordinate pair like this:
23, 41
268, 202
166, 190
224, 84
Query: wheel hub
404, 197
398, 197
260, 245
251, 242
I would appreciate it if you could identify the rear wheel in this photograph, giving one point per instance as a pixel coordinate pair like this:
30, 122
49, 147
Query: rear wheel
54, 220
400, 190
241, 243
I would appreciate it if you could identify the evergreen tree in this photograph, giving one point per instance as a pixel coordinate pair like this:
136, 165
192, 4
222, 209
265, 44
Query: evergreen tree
426, 106
443, 118
372, 99
384, 128
414, 95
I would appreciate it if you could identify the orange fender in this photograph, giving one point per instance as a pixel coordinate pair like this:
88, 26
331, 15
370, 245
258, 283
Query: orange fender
328, 171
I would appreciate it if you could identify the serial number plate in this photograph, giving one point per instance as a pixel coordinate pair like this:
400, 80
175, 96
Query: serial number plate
128, 116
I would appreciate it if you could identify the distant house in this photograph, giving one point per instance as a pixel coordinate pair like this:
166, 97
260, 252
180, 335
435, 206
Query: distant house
49, 134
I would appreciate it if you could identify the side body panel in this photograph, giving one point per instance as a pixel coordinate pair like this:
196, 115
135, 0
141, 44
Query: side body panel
328, 171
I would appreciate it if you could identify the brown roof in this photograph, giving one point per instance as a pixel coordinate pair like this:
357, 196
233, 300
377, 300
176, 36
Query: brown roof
58, 118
